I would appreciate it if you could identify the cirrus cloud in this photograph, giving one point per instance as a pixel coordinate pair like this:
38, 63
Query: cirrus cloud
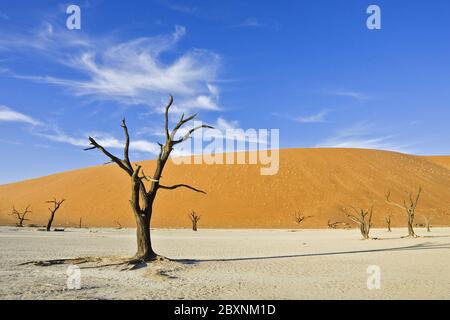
133, 72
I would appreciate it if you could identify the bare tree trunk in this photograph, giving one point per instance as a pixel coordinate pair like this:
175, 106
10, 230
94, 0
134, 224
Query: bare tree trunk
388, 220
364, 232
411, 232
50, 221
144, 243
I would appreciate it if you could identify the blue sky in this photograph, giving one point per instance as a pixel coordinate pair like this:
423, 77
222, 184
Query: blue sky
310, 68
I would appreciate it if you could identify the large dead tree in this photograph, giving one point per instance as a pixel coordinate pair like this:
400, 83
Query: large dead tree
56, 205
195, 218
143, 196
409, 206
364, 220
20, 216
388, 220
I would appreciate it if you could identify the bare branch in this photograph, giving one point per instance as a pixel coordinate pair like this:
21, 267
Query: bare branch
388, 200
166, 125
126, 149
121, 163
147, 178
190, 132
181, 186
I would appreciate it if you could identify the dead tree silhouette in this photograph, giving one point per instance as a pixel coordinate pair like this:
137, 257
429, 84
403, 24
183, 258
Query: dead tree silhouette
56, 205
388, 220
427, 223
299, 218
410, 209
364, 220
119, 226
195, 218
143, 196
20, 216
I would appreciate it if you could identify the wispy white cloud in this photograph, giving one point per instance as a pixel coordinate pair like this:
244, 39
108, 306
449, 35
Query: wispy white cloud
349, 94
314, 118
365, 136
10, 115
131, 72
55, 134
178, 7
251, 22
4, 16
105, 139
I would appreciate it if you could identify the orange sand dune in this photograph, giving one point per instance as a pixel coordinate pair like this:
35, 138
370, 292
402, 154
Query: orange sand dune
441, 160
317, 182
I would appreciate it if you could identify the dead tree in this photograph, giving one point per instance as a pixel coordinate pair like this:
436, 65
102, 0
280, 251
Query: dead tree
20, 216
364, 219
56, 205
119, 226
410, 209
299, 218
79, 224
337, 224
427, 223
331, 225
143, 196
195, 218
388, 220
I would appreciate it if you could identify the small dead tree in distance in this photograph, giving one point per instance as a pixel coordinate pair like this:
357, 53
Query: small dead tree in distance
119, 226
20, 216
335, 225
195, 218
388, 220
299, 218
410, 209
56, 205
364, 219
427, 223
143, 196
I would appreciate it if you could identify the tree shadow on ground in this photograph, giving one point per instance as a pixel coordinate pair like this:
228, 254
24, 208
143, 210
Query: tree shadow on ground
420, 246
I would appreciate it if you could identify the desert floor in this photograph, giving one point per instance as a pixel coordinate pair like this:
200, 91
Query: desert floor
230, 264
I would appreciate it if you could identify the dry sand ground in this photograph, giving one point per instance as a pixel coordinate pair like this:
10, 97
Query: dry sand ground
231, 264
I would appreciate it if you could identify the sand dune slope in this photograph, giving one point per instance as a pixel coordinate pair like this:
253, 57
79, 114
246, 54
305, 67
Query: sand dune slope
317, 182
